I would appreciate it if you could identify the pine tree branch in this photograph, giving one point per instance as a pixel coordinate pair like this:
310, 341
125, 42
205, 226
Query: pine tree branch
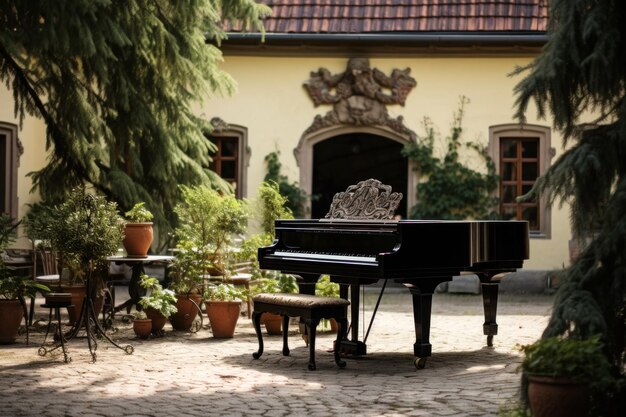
53, 128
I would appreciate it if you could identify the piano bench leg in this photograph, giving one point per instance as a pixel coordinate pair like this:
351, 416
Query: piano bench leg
342, 331
256, 321
311, 325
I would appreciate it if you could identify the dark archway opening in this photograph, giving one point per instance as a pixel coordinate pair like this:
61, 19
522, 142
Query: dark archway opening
344, 160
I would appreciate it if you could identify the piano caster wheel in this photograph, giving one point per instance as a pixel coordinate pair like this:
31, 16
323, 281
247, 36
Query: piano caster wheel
490, 340
420, 363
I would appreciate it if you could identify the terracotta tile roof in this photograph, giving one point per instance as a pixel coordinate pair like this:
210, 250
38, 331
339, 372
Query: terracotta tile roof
405, 16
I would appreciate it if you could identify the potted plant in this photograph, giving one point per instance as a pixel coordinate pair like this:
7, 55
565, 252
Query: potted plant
13, 290
207, 222
562, 375
138, 231
142, 325
223, 306
159, 305
85, 230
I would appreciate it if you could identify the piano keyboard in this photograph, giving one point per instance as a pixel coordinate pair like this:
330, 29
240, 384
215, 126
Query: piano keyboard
326, 256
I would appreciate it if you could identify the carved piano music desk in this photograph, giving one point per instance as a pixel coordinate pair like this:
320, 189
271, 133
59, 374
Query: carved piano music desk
358, 244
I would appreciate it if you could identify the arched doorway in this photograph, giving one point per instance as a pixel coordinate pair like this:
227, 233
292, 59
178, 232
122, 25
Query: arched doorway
346, 159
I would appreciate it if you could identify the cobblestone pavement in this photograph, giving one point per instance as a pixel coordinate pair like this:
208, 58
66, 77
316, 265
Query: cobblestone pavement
183, 374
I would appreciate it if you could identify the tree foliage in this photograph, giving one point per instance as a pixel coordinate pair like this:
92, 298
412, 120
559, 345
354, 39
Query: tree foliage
448, 189
580, 71
115, 83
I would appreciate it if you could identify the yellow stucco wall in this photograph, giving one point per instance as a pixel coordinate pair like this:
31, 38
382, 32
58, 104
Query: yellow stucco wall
276, 109
272, 104
32, 136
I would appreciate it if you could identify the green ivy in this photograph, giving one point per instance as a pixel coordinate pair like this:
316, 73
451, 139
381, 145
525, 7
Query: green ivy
448, 189
296, 198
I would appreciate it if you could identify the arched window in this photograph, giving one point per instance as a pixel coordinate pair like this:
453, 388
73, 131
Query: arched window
521, 153
10, 151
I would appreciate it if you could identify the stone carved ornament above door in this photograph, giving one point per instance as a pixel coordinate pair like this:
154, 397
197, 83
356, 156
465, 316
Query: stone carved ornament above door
359, 96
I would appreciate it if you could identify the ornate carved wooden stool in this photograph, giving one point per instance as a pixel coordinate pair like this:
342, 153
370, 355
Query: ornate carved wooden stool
311, 309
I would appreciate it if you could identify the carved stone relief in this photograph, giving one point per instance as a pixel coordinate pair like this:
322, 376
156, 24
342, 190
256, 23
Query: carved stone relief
359, 96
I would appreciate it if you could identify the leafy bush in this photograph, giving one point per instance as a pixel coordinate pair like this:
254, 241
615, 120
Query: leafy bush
296, 198
325, 288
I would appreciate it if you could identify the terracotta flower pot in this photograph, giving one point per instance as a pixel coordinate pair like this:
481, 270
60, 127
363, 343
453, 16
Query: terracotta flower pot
137, 239
557, 397
78, 296
223, 316
158, 320
273, 323
11, 314
142, 328
187, 311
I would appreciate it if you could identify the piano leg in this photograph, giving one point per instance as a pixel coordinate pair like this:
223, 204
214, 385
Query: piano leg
353, 346
490, 304
422, 305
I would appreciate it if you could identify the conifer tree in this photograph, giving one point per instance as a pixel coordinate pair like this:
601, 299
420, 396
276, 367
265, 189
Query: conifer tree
581, 71
115, 82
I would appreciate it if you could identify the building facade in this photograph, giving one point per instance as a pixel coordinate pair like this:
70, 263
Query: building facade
339, 87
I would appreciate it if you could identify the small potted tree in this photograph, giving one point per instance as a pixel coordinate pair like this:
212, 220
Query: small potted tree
138, 231
223, 306
85, 230
207, 222
563, 374
210, 220
159, 304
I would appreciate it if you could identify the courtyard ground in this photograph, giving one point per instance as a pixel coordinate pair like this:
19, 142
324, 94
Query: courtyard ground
185, 374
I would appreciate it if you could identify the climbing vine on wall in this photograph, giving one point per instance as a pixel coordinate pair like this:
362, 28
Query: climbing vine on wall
296, 198
447, 188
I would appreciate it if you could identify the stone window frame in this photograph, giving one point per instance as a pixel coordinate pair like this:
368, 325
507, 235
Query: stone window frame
13, 151
546, 153
231, 130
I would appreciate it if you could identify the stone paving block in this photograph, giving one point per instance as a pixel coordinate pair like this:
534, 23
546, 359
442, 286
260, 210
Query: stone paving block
220, 377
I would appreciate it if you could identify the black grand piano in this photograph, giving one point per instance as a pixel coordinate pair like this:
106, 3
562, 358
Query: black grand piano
418, 254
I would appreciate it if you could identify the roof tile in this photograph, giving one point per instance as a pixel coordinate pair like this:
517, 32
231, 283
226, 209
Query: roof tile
372, 16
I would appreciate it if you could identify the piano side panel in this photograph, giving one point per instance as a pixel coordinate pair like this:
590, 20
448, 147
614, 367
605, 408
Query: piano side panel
431, 245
